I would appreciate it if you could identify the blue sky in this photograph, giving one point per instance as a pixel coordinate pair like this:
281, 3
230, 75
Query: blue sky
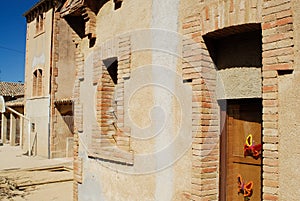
13, 39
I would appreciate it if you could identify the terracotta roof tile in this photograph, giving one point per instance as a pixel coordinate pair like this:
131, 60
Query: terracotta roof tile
16, 102
11, 89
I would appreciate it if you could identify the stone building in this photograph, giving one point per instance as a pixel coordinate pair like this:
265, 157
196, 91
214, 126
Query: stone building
179, 100
49, 81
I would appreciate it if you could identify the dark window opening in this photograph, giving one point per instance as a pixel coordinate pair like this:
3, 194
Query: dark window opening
118, 4
39, 24
77, 24
238, 46
111, 65
92, 42
37, 83
32, 127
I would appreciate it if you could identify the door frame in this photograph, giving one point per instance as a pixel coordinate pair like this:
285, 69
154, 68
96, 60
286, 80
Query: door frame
223, 150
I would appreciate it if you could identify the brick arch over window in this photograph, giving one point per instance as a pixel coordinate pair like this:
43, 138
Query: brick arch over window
37, 83
276, 21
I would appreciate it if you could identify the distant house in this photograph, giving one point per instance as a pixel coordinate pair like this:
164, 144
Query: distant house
49, 80
11, 123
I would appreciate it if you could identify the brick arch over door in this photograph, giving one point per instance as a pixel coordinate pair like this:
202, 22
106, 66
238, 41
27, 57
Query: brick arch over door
276, 20
217, 15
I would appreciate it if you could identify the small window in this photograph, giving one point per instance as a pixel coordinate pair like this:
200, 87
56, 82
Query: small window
118, 4
32, 127
39, 24
112, 67
34, 83
37, 85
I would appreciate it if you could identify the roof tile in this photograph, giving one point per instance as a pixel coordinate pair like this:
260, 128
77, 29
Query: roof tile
11, 89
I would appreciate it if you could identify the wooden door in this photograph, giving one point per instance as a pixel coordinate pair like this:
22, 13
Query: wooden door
243, 117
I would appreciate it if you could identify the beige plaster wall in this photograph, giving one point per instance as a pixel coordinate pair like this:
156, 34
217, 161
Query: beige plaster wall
38, 49
289, 115
289, 126
38, 117
66, 61
165, 176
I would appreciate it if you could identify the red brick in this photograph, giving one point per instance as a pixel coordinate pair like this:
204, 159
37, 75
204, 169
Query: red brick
280, 66
207, 13
283, 21
278, 52
271, 162
270, 197
267, 103
273, 88
277, 37
270, 139
284, 13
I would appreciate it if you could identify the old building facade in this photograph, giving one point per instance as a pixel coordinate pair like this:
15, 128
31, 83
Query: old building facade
49, 80
177, 100
11, 121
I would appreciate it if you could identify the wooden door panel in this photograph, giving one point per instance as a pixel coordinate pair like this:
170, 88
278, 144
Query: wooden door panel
249, 173
243, 118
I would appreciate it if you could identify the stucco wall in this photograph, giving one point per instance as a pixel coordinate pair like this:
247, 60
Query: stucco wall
39, 108
289, 140
38, 52
65, 60
289, 122
38, 49
158, 111
200, 178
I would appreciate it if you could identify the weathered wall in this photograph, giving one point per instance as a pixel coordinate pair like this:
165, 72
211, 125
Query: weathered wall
289, 139
196, 175
153, 110
288, 122
38, 54
276, 18
39, 108
64, 59
62, 86
62, 133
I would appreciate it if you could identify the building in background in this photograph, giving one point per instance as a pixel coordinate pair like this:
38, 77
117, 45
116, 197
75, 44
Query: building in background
12, 123
49, 81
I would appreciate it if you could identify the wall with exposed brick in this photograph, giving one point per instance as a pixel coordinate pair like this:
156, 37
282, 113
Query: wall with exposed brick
278, 58
110, 159
97, 137
62, 84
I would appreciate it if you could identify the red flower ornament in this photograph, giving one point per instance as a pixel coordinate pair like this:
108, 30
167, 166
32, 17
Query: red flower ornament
250, 149
245, 189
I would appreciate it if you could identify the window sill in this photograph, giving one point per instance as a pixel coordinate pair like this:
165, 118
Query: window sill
39, 33
37, 97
